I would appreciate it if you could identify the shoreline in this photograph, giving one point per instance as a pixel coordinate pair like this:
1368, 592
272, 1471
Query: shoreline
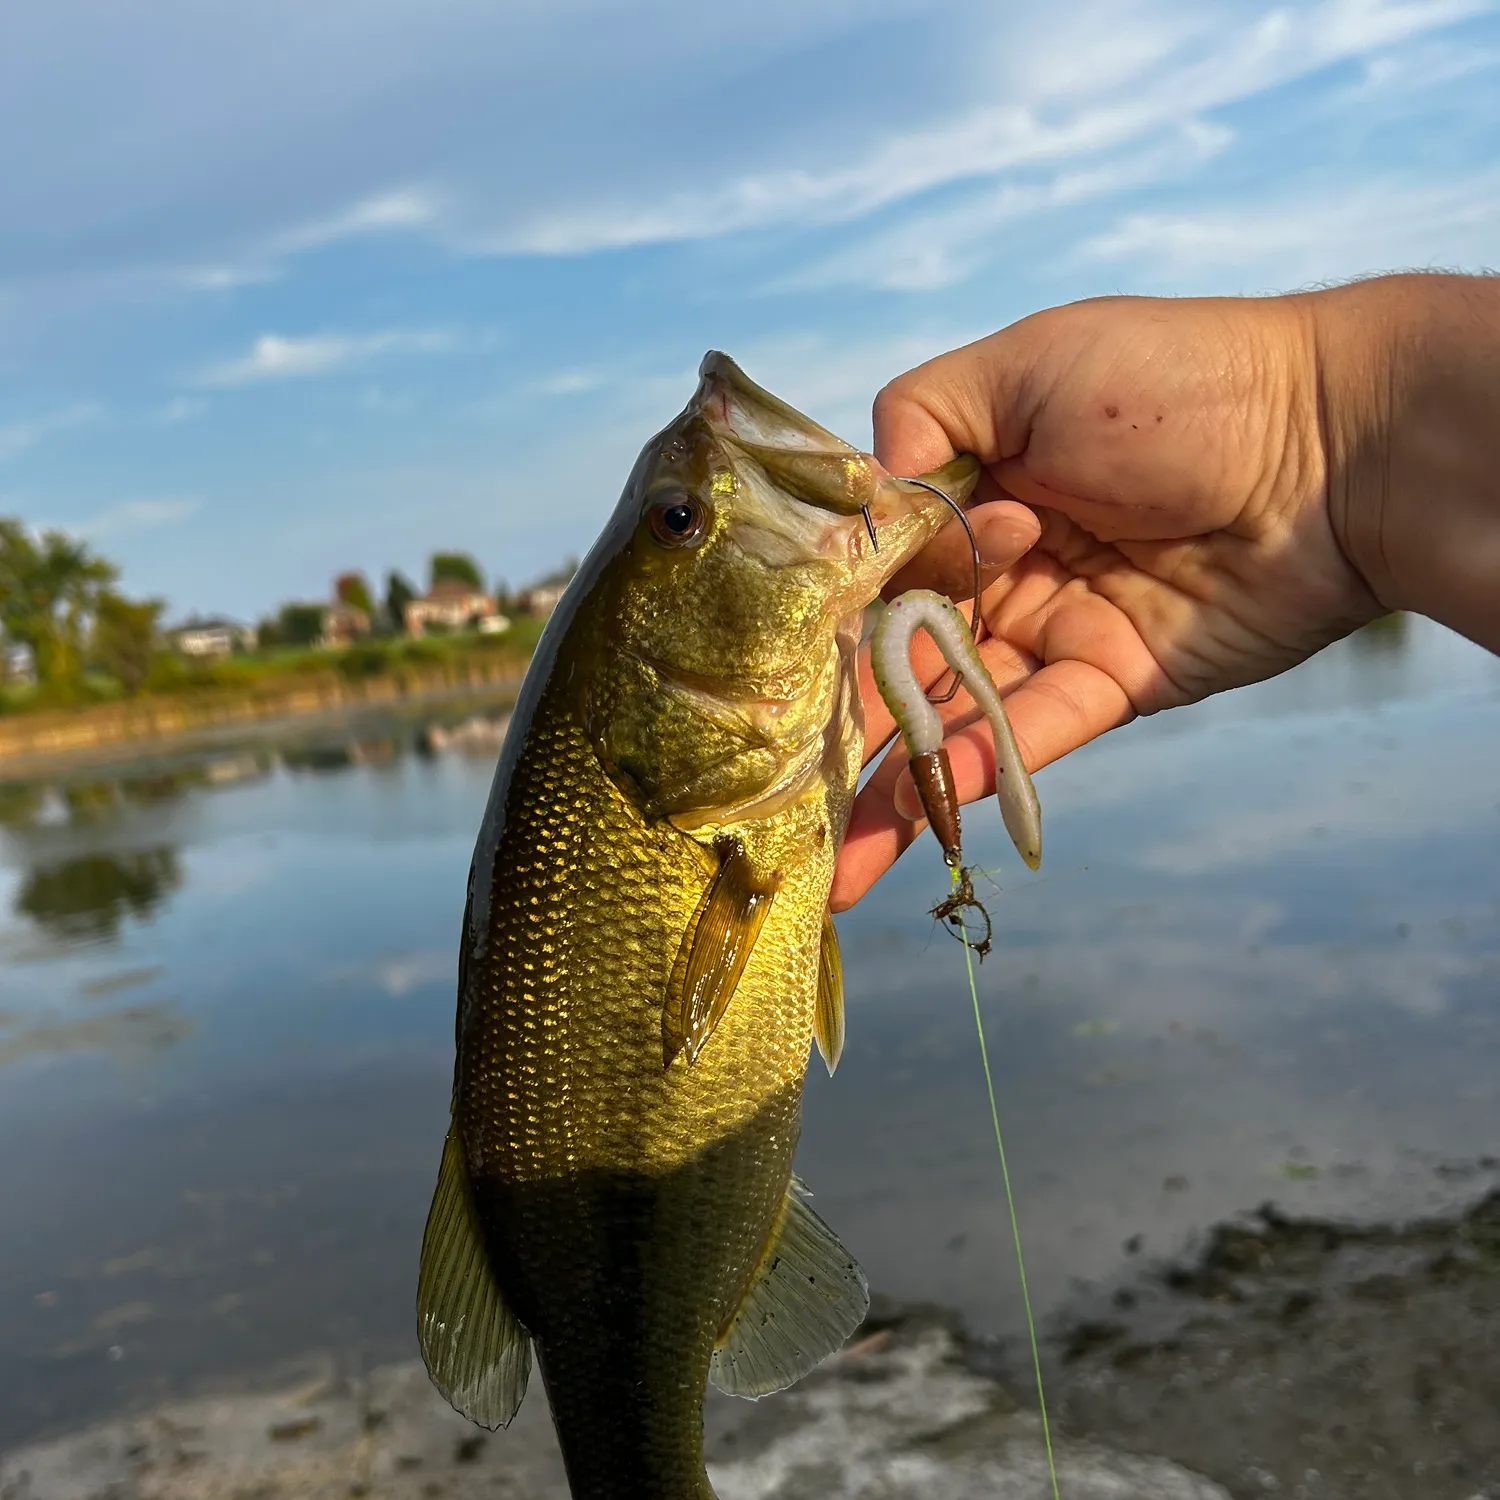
897, 1414
1290, 1355
40, 743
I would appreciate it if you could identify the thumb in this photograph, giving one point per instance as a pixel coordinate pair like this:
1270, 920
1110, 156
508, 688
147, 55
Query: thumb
971, 400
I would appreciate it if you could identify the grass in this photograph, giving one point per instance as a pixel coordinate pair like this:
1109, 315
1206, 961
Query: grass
256, 673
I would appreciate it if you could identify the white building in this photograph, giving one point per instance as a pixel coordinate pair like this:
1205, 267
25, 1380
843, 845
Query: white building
451, 605
208, 639
17, 664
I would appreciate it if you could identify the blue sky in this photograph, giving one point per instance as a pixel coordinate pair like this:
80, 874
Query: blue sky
297, 287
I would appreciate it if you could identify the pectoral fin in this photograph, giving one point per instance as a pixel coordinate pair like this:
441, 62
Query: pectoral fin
807, 1297
714, 951
476, 1352
828, 1011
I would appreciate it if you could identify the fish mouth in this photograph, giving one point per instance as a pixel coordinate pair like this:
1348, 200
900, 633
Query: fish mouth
802, 458
896, 517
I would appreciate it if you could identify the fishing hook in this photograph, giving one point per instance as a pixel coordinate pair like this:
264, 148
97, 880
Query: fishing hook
963, 521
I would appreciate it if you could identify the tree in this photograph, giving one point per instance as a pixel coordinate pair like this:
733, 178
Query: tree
351, 589
300, 624
398, 594
124, 637
456, 567
49, 588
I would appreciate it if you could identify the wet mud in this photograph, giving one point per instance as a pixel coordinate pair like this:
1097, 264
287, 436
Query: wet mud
1293, 1356
899, 1415
1306, 1358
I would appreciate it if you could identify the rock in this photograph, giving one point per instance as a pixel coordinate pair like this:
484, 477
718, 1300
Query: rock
897, 1416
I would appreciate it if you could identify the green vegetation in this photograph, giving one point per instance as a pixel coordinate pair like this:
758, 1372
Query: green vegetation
299, 624
89, 643
456, 567
124, 638
56, 599
398, 594
351, 589
367, 658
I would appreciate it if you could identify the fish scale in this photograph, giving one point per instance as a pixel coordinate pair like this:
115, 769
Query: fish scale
605, 1218
647, 951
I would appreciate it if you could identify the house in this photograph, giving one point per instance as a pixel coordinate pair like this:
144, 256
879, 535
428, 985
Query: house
207, 640
343, 624
540, 600
17, 664
448, 605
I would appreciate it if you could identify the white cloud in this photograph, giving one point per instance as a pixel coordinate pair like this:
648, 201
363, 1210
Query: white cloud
276, 357
938, 249
567, 383
181, 409
17, 438
1413, 70
136, 515
1396, 222
1081, 83
229, 278
1183, 66
405, 209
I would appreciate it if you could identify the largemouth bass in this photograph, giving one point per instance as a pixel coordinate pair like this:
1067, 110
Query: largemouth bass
647, 953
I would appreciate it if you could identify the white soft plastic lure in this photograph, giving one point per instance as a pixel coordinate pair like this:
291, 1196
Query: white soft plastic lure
922, 729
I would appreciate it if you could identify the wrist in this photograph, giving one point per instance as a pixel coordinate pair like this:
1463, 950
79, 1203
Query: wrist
1409, 392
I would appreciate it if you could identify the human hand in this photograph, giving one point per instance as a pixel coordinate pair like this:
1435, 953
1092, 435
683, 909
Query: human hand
1179, 539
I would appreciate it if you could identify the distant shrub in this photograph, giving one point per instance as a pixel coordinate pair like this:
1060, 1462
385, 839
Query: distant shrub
171, 673
422, 652
364, 659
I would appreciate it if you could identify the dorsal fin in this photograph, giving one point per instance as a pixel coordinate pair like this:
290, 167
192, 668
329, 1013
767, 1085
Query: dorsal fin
478, 1355
807, 1296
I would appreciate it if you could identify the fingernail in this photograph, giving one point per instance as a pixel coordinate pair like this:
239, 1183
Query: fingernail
906, 801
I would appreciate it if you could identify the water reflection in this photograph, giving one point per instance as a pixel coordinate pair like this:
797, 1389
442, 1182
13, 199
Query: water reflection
318, 758
20, 802
91, 800
41, 802
1261, 963
135, 1031
88, 898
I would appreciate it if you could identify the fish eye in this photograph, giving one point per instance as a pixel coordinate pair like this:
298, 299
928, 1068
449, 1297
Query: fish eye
677, 520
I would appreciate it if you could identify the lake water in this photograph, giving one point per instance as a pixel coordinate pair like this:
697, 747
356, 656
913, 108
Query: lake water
1261, 963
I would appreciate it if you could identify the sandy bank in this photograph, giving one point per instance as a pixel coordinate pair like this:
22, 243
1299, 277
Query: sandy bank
898, 1416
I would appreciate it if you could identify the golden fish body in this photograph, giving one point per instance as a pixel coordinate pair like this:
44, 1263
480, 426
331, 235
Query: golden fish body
647, 950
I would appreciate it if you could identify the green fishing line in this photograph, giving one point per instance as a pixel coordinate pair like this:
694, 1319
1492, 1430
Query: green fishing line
1010, 1203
